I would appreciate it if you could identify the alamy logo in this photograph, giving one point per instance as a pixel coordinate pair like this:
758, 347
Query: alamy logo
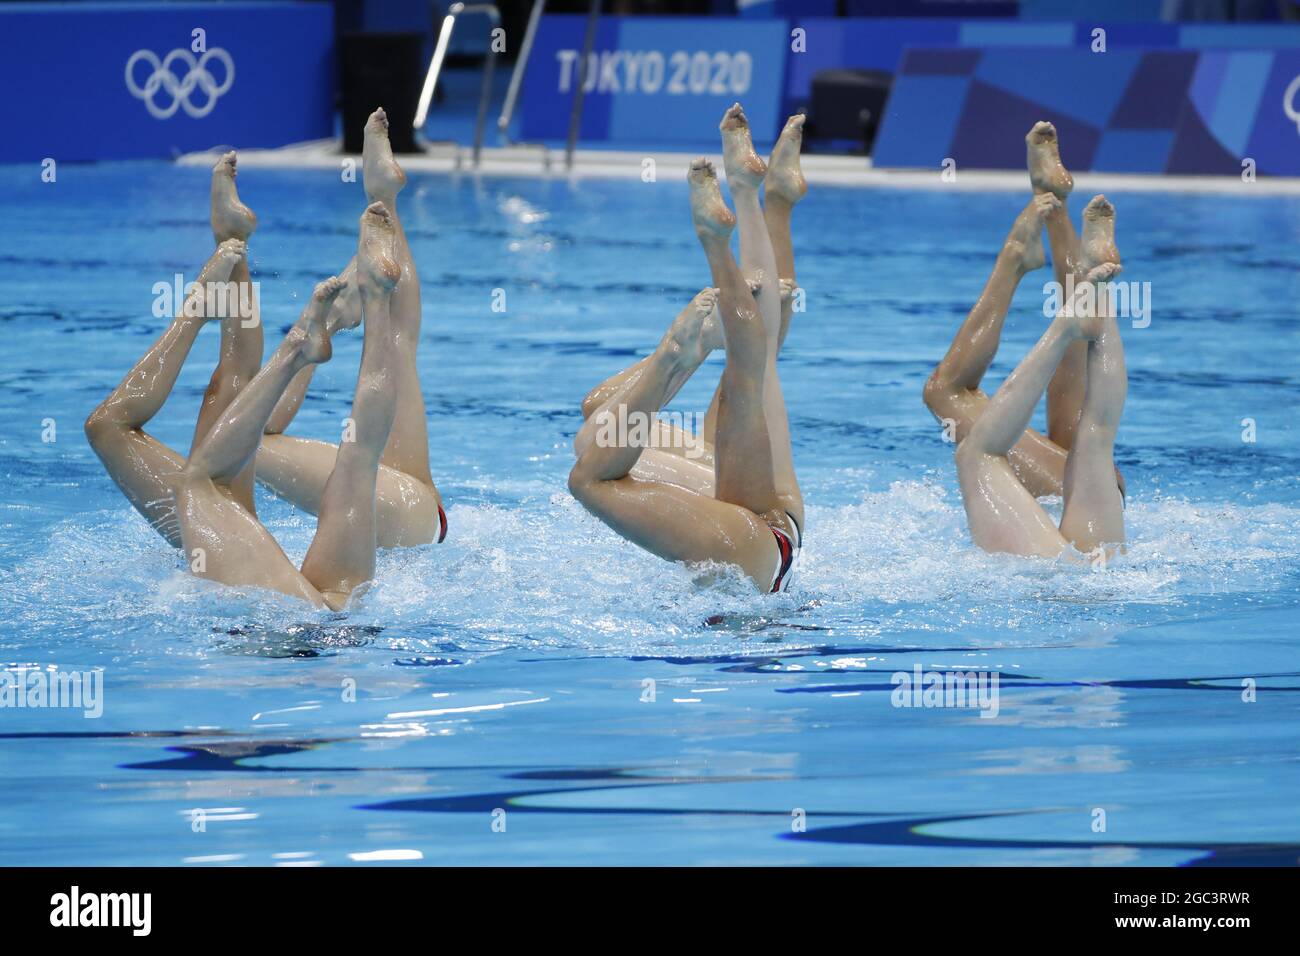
40, 687
971, 689
629, 428
103, 909
176, 90
212, 300
1123, 300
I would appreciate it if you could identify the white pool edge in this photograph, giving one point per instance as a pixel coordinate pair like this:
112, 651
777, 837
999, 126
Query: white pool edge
854, 171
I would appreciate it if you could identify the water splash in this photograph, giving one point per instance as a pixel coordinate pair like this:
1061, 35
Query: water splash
896, 566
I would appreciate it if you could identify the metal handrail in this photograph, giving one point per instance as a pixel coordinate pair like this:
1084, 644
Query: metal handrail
575, 117
517, 77
440, 54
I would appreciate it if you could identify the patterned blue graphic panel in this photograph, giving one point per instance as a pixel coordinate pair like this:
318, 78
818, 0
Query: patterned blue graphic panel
1147, 111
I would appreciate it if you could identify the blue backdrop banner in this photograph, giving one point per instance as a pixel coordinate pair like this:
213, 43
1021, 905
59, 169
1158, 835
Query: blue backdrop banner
656, 80
878, 44
136, 80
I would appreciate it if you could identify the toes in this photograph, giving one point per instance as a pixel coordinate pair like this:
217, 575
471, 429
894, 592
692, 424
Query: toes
1046, 203
734, 118
377, 210
701, 170
1099, 207
329, 288
1104, 272
1042, 132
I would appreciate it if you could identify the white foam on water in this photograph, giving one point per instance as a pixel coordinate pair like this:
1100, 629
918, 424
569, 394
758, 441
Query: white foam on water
909, 543
897, 565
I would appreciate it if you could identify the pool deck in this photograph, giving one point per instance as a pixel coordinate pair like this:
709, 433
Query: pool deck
819, 169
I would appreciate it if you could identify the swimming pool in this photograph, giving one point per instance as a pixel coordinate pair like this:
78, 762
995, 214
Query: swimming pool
536, 690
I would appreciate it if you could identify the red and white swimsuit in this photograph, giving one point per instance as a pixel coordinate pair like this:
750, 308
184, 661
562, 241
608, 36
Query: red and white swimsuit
786, 552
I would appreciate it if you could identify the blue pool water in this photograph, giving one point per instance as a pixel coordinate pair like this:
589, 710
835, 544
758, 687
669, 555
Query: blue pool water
506, 669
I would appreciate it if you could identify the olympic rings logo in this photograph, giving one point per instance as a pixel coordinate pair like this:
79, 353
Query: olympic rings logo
179, 89
1288, 103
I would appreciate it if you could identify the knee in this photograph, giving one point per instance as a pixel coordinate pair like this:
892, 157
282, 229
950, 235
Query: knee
186, 478
589, 431
936, 395
583, 484
950, 409
101, 428
579, 483
970, 455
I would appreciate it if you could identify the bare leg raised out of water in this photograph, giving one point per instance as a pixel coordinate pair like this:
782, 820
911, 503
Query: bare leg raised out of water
1003, 516
410, 507
1047, 174
668, 520
704, 301
223, 540
783, 188
953, 394
143, 467
1094, 508
226, 542
678, 454
687, 459
1001, 512
342, 555
241, 334
745, 174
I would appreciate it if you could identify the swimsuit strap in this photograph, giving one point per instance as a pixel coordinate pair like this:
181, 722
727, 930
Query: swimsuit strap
785, 547
798, 531
442, 524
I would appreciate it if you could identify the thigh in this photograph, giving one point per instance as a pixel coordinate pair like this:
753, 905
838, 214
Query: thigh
145, 469
1001, 514
1038, 462
297, 469
672, 439
678, 457
1093, 516
681, 525
407, 450
224, 542
657, 465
